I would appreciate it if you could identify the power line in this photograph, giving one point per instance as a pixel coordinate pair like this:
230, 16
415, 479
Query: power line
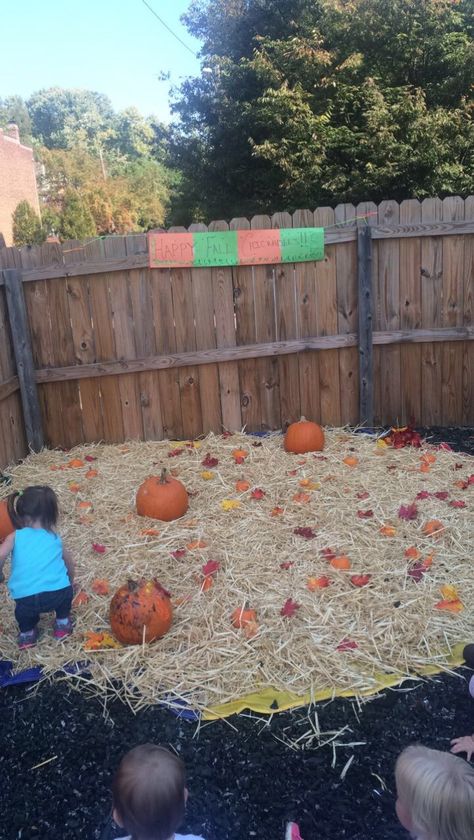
169, 29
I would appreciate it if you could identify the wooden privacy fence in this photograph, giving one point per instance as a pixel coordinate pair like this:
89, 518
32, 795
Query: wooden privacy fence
380, 331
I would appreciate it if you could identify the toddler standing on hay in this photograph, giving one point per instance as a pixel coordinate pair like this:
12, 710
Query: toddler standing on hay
149, 794
42, 571
435, 793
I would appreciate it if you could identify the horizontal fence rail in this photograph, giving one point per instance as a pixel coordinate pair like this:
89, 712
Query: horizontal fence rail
380, 331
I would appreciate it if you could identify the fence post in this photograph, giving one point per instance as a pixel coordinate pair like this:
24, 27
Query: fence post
12, 279
366, 365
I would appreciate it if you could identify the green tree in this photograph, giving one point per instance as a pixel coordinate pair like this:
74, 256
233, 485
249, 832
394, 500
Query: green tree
303, 101
76, 219
27, 228
62, 118
13, 108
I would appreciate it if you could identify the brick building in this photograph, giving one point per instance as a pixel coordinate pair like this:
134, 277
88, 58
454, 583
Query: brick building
17, 178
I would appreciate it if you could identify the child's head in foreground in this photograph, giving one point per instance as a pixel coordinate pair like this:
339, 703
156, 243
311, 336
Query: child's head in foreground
435, 793
149, 793
38, 504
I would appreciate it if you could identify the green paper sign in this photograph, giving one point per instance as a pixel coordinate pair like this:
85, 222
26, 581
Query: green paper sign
216, 248
302, 244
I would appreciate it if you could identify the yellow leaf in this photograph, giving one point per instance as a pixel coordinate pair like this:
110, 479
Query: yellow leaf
207, 475
449, 592
230, 504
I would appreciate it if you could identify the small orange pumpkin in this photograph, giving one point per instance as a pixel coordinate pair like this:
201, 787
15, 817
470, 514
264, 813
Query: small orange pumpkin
140, 611
6, 525
342, 562
304, 436
242, 616
163, 498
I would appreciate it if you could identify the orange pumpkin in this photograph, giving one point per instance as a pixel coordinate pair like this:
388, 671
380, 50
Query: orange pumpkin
243, 616
350, 461
163, 498
6, 525
140, 612
342, 562
304, 436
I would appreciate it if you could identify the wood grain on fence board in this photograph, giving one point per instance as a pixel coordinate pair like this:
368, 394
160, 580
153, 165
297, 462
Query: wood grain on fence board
245, 331
467, 417
410, 315
431, 292
347, 319
286, 328
265, 331
387, 317
306, 311
452, 313
326, 288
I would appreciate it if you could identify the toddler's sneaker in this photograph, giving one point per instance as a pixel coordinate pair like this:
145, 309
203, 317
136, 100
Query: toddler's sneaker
292, 832
28, 639
62, 628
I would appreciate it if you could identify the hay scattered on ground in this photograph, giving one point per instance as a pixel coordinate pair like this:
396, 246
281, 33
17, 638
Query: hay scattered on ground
203, 659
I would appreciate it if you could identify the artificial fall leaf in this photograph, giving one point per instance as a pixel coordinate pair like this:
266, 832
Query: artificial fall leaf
277, 511
347, 644
306, 533
98, 548
173, 453
74, 487
190, 523
433, 528
292, 472
99, 641
100, 586
76, 463
150, 532
412, 553
230, 504
428, 458
301, 461
442, 495
90, 458
463, 485
320, 457
258, 493
360, 580
408, 512
417, 571
287, 564
207, 583
388, 531
178, 553
457, 503
289, 608
363, 495
309, 485
314, 583
196, 544
351, 461
54, 467
207, 475
210, 568
328, 553
450, 606
85, 519
257, 444
239, 455
84, 505
449, 592
425, 468
458, 466
80, 598
209, 461
92, 473
250, 629
444, 447
302, 498
365, 514
428, 561
423, 494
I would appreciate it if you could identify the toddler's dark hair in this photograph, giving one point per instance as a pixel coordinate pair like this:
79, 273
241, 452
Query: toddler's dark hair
149, 792
38, 502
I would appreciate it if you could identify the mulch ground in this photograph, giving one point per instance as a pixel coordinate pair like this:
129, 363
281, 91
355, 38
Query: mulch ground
245, 778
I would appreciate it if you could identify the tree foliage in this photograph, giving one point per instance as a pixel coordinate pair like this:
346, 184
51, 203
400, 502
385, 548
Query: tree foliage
310, 101
27, 228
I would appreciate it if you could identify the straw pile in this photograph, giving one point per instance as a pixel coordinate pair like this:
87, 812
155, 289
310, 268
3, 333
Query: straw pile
392, 623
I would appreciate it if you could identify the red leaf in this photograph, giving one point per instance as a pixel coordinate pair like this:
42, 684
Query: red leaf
470, 480
226, 435
307, 533
408, 512
289, 608
360, 580
90, 458
239, 459
347, 644
441, 494
417, 571
445, 446
209, 461
320, 457
363, 495
173, 453
179, 553
287, 564
100, 549
292, 472
424, 494
365, 514
100, 586
328, 553
458, 466
258, 493
457, 503
210, 568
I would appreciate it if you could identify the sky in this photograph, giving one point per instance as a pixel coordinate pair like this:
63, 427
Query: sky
116, 47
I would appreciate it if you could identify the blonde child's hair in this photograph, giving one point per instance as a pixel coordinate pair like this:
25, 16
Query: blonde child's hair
149, 792
437, 791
